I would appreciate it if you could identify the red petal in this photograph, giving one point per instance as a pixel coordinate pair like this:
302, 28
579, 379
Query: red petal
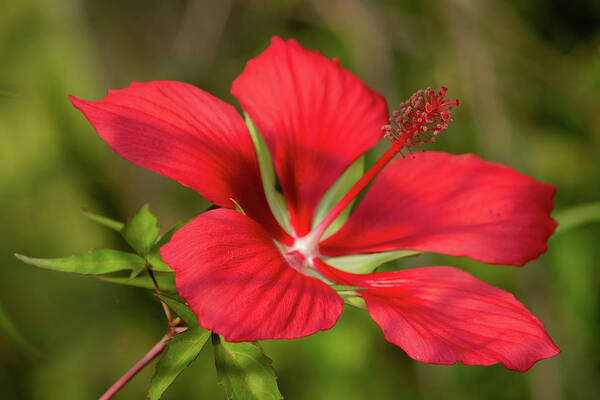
441, 315
456, 205
315, 116
184, 133
238, 284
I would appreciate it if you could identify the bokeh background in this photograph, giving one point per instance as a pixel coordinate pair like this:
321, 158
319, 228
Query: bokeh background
527, 74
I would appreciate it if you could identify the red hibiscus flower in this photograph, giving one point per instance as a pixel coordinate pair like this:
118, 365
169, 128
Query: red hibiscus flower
264, 274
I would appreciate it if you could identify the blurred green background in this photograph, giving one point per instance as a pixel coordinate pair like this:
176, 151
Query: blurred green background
528, 77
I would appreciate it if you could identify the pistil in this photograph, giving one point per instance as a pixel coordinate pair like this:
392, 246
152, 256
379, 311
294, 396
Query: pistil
417, 122
388, 156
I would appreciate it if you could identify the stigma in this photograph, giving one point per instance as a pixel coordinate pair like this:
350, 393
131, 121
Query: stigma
420, 119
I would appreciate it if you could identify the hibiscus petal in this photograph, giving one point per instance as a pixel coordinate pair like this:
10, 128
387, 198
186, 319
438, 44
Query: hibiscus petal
442, 315
188, 135
239, 285
456, 205
315, 116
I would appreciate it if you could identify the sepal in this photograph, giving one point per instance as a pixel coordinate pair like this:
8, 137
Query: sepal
274, 197
368, 262
335, 193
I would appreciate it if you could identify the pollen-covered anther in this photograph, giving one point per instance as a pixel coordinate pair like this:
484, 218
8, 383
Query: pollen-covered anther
419, 119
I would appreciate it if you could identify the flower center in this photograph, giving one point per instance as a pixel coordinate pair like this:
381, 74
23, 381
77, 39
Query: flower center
307, 245
302, 252
301, 256
296, 260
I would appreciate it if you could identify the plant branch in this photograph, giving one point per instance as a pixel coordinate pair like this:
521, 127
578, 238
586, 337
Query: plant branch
151, 355
164, 306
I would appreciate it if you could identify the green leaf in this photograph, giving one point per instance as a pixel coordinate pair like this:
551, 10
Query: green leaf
157, 264
166, 281
107, 222
98, 261
244, 371
576, 216
366, 263
335, 194
141, 232
354, 300
181, 308
8, 329
344, 288
237, 206
274, 198
154, 258
180, 352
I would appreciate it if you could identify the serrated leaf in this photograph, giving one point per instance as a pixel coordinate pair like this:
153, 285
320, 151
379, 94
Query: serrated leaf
181, 308
274, 198
180, 352
154, 258
576, 216
141, 232
98, 261
335, 193
166, 281
105, 221
366, 263
10, 331
244, 371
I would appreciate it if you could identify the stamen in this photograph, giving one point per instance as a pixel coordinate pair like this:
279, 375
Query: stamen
420, 119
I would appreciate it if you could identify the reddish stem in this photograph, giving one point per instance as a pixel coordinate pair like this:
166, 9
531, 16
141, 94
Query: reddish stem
359, 186
164, 306
151, 355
